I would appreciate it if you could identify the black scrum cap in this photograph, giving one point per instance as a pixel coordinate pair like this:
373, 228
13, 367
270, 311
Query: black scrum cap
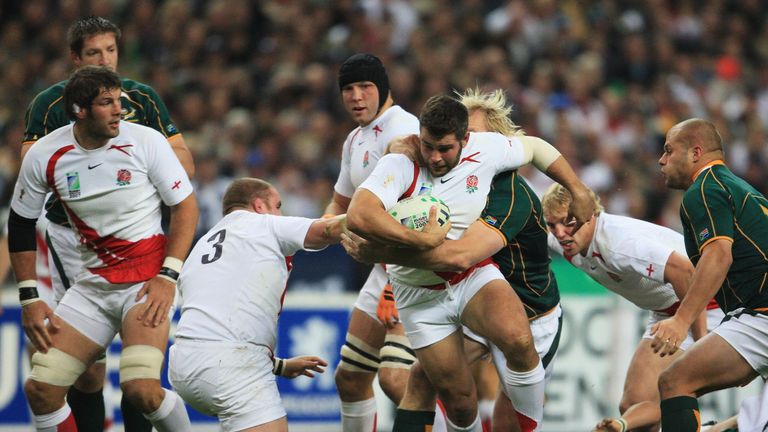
365, 67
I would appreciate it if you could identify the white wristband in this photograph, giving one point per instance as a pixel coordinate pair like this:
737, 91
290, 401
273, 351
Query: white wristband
28, 283
174, 264
30, 301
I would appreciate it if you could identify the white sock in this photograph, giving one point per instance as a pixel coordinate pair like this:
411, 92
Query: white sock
526, 391
358, 416
49, 422
476, 426
485, 408
440, 420
171, 416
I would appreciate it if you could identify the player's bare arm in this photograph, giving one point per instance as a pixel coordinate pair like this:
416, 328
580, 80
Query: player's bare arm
366, 217
582, 207
678, 272
21, 241
324, 232
160, 291
406, 145
302, 366
338, 205
182, 153
477, 243
708, 277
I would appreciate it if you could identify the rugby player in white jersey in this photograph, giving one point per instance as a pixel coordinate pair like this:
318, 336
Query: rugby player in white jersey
511, 230
647, 265
233, 284
111, 176
375, 341
433, 305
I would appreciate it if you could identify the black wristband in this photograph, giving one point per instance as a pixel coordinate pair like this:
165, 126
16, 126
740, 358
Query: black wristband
28, 293
165, 271
278, 366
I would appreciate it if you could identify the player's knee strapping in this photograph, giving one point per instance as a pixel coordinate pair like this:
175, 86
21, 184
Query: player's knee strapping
140, 362
397, 352
56, 368
358, 356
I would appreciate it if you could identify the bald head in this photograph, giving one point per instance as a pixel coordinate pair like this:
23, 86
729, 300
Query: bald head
242, 192
699, 131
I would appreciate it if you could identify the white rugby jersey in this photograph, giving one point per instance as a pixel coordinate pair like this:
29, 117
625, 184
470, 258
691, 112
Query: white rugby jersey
628, 256
464, 189
111, 196
233, 282
364, 147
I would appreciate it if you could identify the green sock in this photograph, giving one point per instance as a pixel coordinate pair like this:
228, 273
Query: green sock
680, 414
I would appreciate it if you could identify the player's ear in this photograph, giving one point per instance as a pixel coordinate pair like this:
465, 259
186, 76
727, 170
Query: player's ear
75, 57
258, 205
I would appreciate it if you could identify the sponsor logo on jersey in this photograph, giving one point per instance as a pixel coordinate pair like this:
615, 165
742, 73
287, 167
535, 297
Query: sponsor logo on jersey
490, 220
171, 129
472, 184
21, 194
129, 115
365, 159
73, 184
377, 130
704, 234
388, 180
123, 177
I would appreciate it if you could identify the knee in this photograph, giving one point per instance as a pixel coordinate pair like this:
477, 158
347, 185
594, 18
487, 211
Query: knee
460, 405
668, 384
520, 351
38, 396
393, 382
92, 380
144, 394
353, 386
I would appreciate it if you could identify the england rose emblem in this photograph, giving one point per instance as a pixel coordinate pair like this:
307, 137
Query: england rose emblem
123, 177
472, 184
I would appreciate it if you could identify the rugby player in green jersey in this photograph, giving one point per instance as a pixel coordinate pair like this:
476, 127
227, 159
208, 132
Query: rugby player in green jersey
725, 225
93, 41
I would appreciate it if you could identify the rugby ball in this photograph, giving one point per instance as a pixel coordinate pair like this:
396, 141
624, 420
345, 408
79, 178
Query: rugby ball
413, 212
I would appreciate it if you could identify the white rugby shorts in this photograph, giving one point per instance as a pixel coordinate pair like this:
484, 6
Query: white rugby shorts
430, 316
544, 329
97, 310
748, 335
232, 381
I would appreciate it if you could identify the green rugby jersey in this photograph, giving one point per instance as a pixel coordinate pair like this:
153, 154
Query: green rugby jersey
140, 104
721, 205
514, 211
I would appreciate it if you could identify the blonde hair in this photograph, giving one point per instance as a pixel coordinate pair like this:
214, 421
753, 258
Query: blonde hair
494, 106
243, 191
557, 197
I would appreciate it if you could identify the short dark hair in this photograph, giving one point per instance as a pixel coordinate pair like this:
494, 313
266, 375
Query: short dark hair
84, 86
87, 27
443, 115
243, 191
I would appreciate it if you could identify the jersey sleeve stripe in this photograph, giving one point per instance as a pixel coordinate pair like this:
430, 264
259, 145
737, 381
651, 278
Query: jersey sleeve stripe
713, 239
157, 110
496, 230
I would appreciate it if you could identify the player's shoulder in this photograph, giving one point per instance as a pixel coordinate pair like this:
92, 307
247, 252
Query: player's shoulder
139, 132
397, 114
51, 95
48, 143
133, 85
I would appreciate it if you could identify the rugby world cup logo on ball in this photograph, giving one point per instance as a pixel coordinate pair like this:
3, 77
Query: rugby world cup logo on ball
413, 212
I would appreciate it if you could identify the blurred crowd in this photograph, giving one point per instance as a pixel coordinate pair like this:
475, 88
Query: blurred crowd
252, 84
